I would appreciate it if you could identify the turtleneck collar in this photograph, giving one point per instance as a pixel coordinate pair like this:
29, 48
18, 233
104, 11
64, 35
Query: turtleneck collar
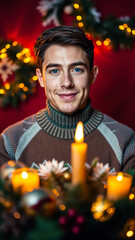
63, 126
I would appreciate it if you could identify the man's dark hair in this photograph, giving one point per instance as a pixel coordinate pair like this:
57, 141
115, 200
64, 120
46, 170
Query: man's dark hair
63, 36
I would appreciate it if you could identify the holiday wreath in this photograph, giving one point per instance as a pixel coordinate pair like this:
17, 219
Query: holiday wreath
111, 31
17, 73
59, 210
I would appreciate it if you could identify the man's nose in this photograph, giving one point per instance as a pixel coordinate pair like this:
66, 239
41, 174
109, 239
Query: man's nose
66, 80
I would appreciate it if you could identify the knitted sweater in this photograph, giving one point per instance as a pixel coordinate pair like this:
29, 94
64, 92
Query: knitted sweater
49, 134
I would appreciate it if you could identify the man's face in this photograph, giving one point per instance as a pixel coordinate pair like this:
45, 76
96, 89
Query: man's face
66, 78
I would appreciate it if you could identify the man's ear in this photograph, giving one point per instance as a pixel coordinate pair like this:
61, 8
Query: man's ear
93, 74
40, 78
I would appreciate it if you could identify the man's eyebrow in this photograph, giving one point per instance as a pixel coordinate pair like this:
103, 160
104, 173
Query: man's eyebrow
80, 63
50, 65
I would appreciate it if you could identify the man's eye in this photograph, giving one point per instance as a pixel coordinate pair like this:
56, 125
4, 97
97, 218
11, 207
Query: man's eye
77, 70
54, 71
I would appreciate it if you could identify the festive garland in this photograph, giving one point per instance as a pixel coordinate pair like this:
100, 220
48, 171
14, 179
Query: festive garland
59, 210
110, 32
17, 73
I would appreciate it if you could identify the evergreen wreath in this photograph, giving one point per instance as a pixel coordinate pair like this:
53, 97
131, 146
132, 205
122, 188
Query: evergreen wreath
17, 70
110, 32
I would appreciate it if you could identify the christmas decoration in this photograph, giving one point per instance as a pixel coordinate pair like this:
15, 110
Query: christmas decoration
57, 209
110, 32
17, 73
48, 167
8, 168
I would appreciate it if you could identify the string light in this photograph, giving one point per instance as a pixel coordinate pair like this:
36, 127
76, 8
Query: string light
3, 55
3, 50
131, 196
7, 46
133, 32
21, 85
130, 233
76, 6
7, 86
62, 207
14, 43
129, 29
125, 25
121, 27
98, 42
80, 24
2, 91
79, 17
35, 78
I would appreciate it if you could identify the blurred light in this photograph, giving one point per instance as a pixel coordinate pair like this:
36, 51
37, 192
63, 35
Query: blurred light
7, 46
17, 215
54, 191
62, 207
128, 29
25, 89
80, 24
121, 27
130, 233
24, 175
3, 55
21, 85
125, 25
119, 176
26, 60
14, 43
7, 86
98, 42
106, 43
3, 50
2, 91
79, 17
18, 55
76, 5
35, 78
131, 196
133, 32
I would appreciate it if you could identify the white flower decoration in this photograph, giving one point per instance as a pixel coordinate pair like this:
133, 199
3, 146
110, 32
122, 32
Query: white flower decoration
95, 14
97, 170
44, 7
7, 68
48, 167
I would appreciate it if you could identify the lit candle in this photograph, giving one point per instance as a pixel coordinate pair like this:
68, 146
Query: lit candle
118, 185
25, 179
78, 156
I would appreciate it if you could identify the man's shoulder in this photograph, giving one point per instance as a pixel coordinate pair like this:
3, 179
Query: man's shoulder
21, 126
117, 127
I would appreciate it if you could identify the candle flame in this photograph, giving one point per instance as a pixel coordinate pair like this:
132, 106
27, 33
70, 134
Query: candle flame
24, 175
79, 134
119, 176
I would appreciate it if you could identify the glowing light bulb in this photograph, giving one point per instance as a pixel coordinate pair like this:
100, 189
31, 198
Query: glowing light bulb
121, 27
130, 233
14, 43
79, 17
76, 5
128, 30
133, 32
35, 78
98, 42
80, 24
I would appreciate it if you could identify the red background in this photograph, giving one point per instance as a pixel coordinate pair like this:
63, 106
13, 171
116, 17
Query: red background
113, 91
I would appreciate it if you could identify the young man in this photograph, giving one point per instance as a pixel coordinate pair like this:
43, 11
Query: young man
65, 60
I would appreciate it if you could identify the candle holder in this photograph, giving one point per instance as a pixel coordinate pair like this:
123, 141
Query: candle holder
25, 179
118, 185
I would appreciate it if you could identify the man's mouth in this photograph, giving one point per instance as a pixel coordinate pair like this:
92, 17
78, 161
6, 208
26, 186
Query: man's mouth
67, 96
